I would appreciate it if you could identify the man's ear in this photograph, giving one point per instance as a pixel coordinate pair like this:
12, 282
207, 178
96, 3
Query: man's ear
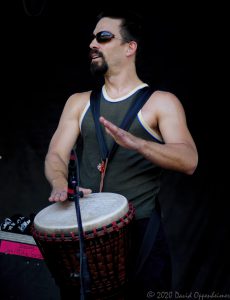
132, 48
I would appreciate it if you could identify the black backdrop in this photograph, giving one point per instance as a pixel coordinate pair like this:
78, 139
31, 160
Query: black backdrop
45, 60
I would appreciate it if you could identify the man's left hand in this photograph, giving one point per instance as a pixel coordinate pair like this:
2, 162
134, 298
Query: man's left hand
121, 137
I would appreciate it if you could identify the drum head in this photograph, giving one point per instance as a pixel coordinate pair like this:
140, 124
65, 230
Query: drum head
97, 210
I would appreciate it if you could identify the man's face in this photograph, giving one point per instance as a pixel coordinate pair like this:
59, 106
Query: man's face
105, 53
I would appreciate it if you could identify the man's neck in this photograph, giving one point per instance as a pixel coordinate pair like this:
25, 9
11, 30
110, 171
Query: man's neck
118, 86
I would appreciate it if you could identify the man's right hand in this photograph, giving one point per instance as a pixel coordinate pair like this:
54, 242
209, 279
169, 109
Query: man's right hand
59, 194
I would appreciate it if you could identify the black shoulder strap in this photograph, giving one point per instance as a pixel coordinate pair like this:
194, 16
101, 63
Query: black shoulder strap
95, 108
142, 96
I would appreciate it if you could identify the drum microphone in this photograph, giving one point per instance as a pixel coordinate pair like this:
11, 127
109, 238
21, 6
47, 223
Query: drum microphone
73, 178
74, 194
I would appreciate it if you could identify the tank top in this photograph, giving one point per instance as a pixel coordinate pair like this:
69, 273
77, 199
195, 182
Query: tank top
128, 172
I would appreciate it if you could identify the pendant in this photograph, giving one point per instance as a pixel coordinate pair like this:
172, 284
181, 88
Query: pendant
101, 167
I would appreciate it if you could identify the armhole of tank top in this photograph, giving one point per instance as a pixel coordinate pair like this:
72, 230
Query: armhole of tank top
83, 113
152, 132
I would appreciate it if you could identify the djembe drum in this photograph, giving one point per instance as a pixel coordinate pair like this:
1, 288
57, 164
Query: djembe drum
106, 220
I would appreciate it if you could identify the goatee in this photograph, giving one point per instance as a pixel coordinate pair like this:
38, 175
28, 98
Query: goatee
98, 68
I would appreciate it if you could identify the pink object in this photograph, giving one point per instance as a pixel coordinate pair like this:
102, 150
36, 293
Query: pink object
20, 249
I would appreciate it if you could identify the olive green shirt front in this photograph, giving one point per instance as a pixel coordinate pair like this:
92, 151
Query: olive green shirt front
128, 173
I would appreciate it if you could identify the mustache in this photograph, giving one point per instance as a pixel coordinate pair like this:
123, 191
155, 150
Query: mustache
95, 52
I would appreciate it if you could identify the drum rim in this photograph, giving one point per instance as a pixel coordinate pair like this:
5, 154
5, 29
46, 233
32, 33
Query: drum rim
115, 208
100, 231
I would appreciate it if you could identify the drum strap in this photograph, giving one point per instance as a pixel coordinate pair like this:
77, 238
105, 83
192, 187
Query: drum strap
142, 96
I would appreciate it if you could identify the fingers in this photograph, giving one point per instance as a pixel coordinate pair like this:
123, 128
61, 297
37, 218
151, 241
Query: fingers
117, 133
57, 196
111, 128
121, 137
85, 191
61, 195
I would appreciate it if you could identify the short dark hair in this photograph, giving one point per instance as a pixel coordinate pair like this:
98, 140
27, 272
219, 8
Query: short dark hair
131, 23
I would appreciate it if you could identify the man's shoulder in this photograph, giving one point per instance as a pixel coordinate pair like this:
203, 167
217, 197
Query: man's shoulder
78, 98
161, 94
162, 102
162, 98
76, 102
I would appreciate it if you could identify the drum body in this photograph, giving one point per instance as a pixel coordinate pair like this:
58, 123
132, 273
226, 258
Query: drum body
106, 220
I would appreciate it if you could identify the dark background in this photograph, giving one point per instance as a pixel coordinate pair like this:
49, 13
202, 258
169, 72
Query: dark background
45, 60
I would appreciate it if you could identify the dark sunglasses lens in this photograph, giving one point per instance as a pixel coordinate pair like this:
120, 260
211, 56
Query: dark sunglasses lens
104, 36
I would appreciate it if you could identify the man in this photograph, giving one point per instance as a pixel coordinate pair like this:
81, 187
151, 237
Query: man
158, 139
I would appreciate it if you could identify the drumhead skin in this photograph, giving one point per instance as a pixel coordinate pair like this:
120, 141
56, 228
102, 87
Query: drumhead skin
97, 210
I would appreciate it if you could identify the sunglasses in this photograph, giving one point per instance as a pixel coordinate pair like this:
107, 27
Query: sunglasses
104, 37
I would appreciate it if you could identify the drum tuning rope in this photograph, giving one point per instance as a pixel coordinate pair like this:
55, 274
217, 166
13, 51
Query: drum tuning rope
84, 271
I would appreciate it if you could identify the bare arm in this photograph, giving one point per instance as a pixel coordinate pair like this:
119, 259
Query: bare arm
178, 152
62, 142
